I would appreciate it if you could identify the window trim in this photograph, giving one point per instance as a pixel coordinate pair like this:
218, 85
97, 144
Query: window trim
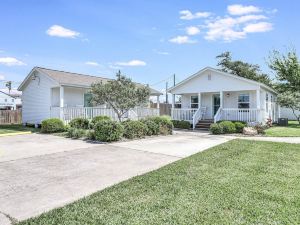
244, 102
196, 104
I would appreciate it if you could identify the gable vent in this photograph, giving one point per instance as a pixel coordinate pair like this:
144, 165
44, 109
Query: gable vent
209, 76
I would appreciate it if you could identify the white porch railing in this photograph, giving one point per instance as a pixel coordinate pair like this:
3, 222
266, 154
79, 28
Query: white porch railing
247, 115
218, 115
69, 113
198, 115
183, 114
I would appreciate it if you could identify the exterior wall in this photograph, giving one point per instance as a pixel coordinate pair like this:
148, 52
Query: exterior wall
211, 81
7, 101
74, 97
36, 99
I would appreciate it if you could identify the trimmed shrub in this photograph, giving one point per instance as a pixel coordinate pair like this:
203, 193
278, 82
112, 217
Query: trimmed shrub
152, 127
134, 129
234, 121
108, 131
216, 128
75, 133
97, 119
228, 127
181, 124
165, 124
79, 123
53, 125
90, 134
239, 127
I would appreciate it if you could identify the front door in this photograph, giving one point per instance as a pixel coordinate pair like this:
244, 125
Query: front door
216, 103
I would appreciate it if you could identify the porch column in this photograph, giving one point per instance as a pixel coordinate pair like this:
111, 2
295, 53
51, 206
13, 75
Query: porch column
221, 99
258, 98
173, 101
199, 100
157, 104
61, 101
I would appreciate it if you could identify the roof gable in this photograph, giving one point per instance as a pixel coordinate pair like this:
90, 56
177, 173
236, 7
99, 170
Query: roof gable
209, 70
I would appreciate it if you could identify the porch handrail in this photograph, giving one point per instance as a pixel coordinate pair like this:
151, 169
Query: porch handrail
197, 116
218, 115
183, 114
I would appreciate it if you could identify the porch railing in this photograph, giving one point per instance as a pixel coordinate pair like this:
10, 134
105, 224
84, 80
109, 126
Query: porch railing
247, 115
69, 113
183, 114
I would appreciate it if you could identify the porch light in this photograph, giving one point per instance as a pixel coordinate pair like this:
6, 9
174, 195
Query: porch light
227, 94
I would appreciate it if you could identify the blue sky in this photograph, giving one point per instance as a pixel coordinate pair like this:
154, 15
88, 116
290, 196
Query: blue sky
148, 40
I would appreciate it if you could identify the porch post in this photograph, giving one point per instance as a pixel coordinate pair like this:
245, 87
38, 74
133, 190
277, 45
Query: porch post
157, 104
173, 101
259, 113
61, 102
221, 99
199, 100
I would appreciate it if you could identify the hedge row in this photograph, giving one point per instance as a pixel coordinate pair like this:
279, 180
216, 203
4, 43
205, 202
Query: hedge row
181, 124
102, 128
227, 127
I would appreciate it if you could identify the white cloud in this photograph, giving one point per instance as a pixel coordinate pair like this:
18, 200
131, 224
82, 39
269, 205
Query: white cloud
192, 30
59, 31
258, 27
90, 63
242, 10
188, 15
134, 62
233, 28
2, 77
10, 61
161, 52
182, 40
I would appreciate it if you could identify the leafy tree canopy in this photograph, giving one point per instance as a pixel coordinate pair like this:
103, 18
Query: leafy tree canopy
242, 69
121, 94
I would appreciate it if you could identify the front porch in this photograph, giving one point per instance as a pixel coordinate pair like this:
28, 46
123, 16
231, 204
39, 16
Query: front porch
244, 105
68, 103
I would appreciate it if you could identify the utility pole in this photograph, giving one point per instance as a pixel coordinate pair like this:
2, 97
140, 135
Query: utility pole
174, 83
8, 85
167, 92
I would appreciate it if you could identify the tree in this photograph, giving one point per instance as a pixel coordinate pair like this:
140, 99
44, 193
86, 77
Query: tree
242, 69
287, 70
121, 94
290, 100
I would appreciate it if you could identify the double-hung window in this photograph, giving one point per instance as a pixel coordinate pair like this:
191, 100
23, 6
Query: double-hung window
244, 101
194, 102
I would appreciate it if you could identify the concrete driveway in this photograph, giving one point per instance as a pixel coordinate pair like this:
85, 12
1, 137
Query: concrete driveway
41, 172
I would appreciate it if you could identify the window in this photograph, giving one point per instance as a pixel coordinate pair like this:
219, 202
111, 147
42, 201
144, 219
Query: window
88, 100
177, 102
244, 101
5, 100
194, 102
12, 100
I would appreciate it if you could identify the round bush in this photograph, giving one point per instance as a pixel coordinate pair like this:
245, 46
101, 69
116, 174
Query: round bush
228, 127
181, 124
216, 128
108, 131
165, 124
97, 119
79, 123
152, 127
53, 125
239, 127
90, 134
134, 129
75, 133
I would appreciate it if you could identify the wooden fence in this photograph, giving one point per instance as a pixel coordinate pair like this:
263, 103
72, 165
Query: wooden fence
10, 116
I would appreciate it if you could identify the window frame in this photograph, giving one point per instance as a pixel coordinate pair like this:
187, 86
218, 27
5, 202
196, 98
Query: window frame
193, 104
243, 101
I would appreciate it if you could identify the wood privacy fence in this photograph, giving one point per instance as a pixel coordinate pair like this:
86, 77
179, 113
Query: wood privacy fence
10, 116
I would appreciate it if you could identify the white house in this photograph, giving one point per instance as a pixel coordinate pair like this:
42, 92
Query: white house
211, 95
7, 101
48, 93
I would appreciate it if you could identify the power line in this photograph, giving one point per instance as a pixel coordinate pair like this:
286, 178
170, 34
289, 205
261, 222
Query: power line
162, 81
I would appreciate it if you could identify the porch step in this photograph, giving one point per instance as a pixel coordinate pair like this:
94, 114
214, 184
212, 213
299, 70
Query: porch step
204, 124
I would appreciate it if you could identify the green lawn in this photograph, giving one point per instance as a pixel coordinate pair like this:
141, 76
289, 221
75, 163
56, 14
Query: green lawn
240, 182
5, 129
292, 130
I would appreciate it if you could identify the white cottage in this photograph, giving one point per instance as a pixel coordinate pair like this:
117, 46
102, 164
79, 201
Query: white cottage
48, 93
211, 95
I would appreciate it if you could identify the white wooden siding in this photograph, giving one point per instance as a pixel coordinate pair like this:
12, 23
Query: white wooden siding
6, 100
36, 99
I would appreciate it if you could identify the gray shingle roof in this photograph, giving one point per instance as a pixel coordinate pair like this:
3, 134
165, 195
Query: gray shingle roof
68, 78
